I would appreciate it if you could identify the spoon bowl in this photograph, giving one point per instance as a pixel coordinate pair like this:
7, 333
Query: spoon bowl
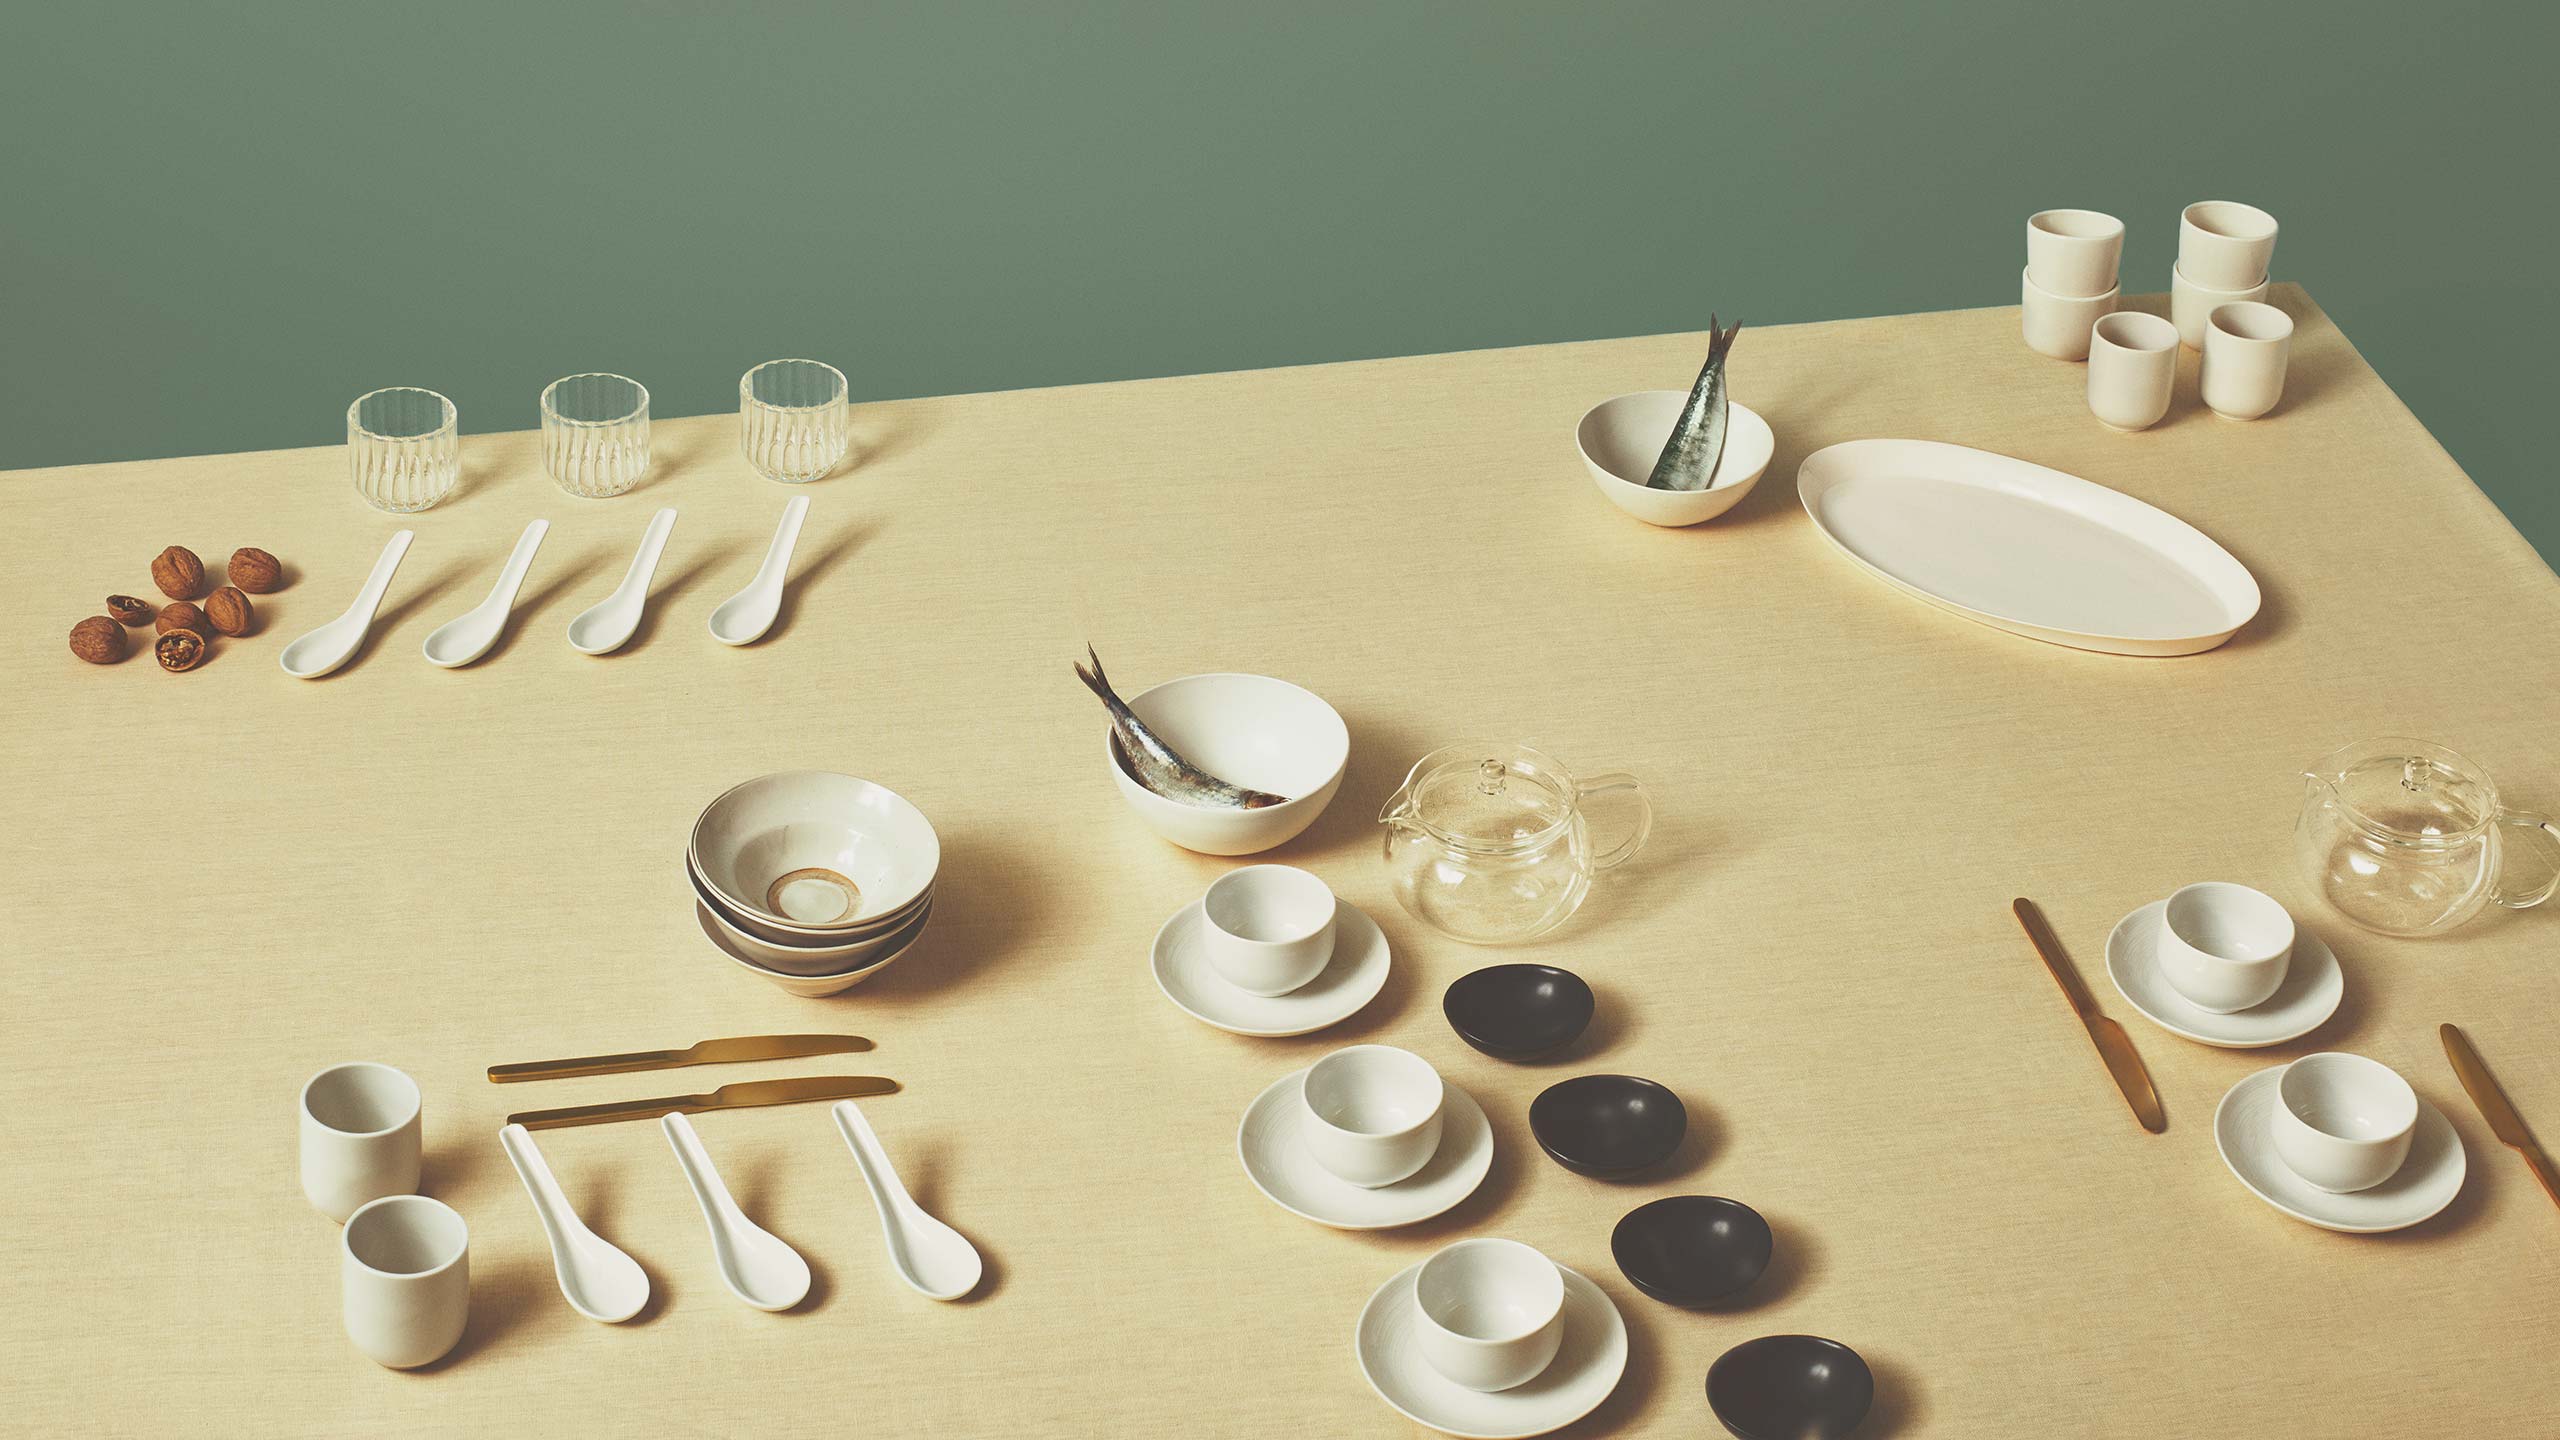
756, 1265
1607, 1125
334, 644
743, 618
932, 1257
612, 622
597, 1278
1692, 1249
468, 636
1790, 1387
1518, 1012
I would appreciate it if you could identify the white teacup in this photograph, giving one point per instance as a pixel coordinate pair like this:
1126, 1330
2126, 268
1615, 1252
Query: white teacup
361, 1138
2058, 325
2074, 252
2343, 1122
405, 1280
2246, 347
1373, 1113
1267, 929
2225, 245
2191, 303
2225, 947
2133, 365
1492, 1313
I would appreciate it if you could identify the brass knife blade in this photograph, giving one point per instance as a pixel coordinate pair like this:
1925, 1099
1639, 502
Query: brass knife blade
2115, 1048
737, 1050
728, 1097
2497, 1109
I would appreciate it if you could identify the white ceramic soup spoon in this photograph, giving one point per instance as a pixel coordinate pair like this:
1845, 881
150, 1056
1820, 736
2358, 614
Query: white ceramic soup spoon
610, 625
598, 1279
743, 618
335, 643
931, 1256
754, 1263
468, 636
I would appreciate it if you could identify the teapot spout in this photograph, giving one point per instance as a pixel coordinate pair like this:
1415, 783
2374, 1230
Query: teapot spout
1399, 811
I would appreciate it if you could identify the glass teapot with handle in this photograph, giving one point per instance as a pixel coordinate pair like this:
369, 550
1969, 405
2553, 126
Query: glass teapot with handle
2408, 838
1488, 842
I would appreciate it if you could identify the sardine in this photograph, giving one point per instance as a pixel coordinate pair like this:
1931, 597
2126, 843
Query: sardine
1688, 460
1159, 766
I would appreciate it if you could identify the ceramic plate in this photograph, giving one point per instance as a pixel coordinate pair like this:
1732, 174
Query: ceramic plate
1351, 979
2025, 549
1587, 1367
2426, 1183
1281, 1168
2313, 986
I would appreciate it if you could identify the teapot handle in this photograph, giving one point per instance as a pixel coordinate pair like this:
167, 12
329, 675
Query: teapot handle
2544, 835
1610, 783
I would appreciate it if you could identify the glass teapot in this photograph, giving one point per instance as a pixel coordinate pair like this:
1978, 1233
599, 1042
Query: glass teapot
1487, 842
2407, 838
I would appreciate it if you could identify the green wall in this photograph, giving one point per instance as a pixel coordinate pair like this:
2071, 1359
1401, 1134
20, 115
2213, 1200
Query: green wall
219, 223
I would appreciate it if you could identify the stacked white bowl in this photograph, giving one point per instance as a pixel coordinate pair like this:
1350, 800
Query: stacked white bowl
2071, 279
814, 880
2225, 249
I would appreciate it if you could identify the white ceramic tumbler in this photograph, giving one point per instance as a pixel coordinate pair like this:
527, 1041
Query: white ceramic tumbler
2190, 304
2225, 245
361, 1137
2133, 364
405, 1280
2058, 325
2246, 350
2074, 252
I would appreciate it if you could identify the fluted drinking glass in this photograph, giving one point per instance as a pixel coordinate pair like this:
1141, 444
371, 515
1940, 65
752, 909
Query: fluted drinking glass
793, 419
404, 448
595, 433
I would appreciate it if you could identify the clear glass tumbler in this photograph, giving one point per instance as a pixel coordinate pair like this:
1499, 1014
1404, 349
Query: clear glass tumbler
794, 423
404, 448
595, 433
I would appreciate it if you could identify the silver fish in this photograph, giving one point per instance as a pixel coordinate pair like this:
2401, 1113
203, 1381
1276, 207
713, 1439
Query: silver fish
1688, 460
1159, 766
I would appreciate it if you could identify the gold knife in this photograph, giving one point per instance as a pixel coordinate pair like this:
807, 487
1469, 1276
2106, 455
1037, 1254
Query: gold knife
710, 1052
727, 1097
2495, 1108
2114, 1046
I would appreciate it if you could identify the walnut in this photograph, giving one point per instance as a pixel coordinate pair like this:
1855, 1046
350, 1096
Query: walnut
228, 611
179, 615
98, 640
179, 650
255, 571
129, 610
178, 573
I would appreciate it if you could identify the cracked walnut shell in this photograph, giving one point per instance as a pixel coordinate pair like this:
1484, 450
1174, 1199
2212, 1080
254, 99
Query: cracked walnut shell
179, 650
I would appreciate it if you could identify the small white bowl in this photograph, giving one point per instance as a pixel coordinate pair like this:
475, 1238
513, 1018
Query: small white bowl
802, 937
812, 985
832, 832
1621, 437
2343, 1122
1248, 730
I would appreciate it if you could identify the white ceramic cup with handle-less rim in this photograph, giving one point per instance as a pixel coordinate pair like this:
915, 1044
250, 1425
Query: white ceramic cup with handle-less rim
1492, 1313
362, 1137
2190, 304
1267, 929
2074, 252
2225, 947
1373, 1113
2133, 366
405, 1280
2247, 347
2343, 1122
2058, 325
2225, 245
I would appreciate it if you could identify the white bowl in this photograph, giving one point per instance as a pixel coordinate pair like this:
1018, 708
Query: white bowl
1621, 438
809, 959
748, 844
802, 937
811, 985
1248, 730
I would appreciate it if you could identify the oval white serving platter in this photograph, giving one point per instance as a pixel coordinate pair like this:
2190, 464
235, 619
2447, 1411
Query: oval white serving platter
2026, 549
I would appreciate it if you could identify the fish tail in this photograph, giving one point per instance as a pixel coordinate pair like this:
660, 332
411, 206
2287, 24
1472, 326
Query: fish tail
1095, 681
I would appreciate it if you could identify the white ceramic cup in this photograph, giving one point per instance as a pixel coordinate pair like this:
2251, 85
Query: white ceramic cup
2246, 348
1373, 1113
2343, 1122
1492, 1313
2133, 363
405, 1280
2190, 304
2223, 946
2225, 245
2058, 325
1267, 929
361, 1137
2074, 252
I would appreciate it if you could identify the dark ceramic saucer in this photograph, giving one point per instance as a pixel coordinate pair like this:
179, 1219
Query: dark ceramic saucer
1607, 1125
1692, 1249
1790, 1387
1518, 1012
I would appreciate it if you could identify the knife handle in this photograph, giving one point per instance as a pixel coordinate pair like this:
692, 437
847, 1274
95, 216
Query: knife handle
2543, 1170
2049, 950
587, 1065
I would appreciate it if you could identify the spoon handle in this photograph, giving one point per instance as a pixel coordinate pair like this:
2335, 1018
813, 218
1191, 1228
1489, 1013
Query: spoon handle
777, 556
888, 1192
645, 564
718, 1209
369, 599
548, 1201
502, 596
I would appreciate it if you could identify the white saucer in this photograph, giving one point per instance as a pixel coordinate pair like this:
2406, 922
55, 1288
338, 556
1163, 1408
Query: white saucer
2313, 986
2426, 1183
1587, 1367
1351, 979
1281, 1168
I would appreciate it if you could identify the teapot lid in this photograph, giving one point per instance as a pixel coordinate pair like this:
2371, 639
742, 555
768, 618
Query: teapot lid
2412, 790
1489, 796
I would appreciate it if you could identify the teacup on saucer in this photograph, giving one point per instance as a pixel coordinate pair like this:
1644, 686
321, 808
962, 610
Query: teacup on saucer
1351, 978
1277, 1161
2426, 1182
1589, 1361
2313, 986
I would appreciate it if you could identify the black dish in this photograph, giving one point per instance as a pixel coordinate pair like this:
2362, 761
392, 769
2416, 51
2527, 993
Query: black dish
1790, 1387
1691, 1249
1607, 1125
1518, 1012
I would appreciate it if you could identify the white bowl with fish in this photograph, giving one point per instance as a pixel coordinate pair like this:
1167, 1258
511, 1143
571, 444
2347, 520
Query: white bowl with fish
1225, 764
1622, 437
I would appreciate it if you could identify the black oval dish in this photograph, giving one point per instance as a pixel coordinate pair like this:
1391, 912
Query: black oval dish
1518, 1012
1607, 1125
1790, 1387
1692, 1249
